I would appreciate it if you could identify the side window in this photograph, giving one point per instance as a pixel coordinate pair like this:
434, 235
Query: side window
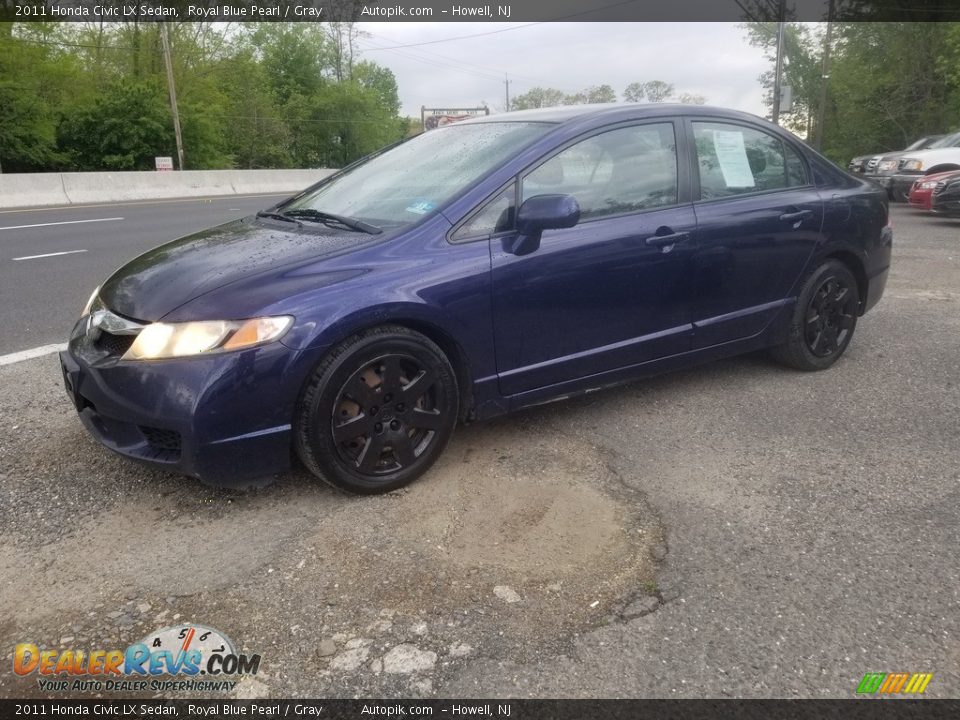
623, 170
796, 168
734, 160
496, 216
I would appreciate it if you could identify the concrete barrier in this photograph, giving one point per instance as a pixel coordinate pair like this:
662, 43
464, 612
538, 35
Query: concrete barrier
41, 189
30, 189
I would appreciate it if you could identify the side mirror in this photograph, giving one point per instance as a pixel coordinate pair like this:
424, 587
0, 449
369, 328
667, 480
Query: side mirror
539, 213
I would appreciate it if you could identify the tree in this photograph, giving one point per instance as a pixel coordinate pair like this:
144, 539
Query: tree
658, 91
381, 82
295, 57
27, 118
122, 130
538, 97
592, 94
691, 99
655, 91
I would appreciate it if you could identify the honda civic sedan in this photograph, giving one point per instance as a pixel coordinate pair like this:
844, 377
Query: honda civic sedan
479, 268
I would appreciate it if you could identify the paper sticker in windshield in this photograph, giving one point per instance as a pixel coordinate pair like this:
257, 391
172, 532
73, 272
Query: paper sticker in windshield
421, 206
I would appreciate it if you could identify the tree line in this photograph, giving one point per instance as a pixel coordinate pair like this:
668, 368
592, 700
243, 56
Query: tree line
270, 95
655, 91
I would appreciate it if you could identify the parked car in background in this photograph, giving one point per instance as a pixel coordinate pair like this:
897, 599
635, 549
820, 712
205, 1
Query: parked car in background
942, 156
886, 170
476, 269
921, 194
946, 196
868, 163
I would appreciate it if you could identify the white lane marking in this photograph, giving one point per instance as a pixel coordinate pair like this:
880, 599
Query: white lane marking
31, 353
129, 203
34, 257
63, 222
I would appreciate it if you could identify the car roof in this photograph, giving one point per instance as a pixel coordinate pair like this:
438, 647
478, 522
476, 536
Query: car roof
611, 112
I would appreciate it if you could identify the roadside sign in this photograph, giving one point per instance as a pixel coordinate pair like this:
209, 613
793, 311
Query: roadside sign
164, 163
432, 118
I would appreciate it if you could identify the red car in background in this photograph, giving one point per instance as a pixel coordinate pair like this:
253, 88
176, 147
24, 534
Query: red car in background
921, 193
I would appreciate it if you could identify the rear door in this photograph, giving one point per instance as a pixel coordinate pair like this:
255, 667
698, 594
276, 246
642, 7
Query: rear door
759, 220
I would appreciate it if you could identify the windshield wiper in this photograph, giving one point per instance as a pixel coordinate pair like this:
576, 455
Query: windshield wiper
278, 216
325, 217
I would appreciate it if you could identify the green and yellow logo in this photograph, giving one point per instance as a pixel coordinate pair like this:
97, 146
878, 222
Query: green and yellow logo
894, 683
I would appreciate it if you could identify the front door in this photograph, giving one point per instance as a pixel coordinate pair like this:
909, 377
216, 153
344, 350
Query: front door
616, 289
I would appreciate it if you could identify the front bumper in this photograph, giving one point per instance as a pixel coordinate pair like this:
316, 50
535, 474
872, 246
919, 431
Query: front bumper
885, 180
223, 418
902, 182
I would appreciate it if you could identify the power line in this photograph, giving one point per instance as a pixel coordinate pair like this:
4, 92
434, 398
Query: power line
64, 43
448, 59
476, 73
464, 37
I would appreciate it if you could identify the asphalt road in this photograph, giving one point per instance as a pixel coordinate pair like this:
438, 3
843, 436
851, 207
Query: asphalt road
736, 530
41, 296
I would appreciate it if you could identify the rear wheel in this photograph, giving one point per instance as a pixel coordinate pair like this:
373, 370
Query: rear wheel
823, 320
378, 411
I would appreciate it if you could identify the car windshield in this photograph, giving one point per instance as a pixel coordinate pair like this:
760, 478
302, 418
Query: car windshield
951, 140
923, 142
410, 181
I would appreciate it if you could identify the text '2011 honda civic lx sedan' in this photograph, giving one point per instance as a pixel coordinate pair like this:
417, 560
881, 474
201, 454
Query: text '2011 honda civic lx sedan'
478, 268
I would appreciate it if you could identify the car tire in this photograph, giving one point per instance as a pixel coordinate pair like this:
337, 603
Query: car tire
823, 320
377, 411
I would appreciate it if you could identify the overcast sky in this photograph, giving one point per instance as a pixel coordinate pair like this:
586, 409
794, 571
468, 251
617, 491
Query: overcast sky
709, 59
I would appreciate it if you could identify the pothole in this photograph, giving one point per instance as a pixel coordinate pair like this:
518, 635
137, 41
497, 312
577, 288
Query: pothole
542, 516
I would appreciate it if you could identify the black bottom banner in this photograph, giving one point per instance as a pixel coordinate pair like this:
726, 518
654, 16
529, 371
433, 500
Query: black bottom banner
505, 709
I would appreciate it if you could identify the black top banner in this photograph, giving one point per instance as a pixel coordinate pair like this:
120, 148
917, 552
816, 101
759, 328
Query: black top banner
477, 10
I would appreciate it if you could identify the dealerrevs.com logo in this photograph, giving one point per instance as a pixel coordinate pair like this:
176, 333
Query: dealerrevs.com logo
182, 657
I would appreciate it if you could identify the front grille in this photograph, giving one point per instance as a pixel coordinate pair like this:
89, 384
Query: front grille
160, 440
114, 344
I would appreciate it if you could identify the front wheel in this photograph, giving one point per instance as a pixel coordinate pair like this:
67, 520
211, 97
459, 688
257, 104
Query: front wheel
823, 320
377, 411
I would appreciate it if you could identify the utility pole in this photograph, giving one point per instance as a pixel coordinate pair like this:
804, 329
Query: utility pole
506, 83
824, 79
171, 87
779, 67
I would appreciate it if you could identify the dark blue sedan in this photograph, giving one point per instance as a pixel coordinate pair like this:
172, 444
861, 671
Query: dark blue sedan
476, 269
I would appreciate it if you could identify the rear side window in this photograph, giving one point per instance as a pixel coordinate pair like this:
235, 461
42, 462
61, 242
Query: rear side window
734, 160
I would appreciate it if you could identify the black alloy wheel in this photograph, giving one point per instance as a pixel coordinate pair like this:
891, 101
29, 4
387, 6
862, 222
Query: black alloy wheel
823, 320
378, 411
831, 316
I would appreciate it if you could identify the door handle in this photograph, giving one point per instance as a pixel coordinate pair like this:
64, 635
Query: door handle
796, 215
664, 240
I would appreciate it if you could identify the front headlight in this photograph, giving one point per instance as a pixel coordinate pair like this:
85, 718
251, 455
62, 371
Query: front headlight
170, 340
89, 305
928, 184
912, 164
887, 165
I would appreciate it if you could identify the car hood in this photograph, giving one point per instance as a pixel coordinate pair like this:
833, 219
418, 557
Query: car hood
161, 280
936, 154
